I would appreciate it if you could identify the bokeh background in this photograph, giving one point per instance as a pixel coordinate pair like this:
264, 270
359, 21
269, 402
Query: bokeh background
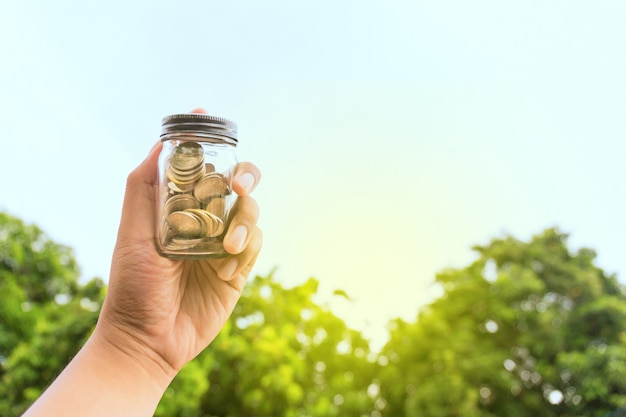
392, 135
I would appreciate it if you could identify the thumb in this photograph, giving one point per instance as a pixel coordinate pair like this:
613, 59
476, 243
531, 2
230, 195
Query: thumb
138, 214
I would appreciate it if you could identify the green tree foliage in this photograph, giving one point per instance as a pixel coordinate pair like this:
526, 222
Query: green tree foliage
529, 328
281, 354
45, 314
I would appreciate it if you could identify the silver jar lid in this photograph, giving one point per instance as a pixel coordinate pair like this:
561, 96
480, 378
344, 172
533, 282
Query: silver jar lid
198, 123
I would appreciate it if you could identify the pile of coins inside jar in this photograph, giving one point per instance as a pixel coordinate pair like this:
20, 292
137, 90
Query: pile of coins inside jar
196, 198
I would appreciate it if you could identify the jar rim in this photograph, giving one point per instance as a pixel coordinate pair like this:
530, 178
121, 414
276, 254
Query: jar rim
200, 123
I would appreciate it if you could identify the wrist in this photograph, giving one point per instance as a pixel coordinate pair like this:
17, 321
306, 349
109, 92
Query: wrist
134, 358
105, 379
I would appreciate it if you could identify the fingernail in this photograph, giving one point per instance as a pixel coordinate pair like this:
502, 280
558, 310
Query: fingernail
237, 237
246, 180
228, 269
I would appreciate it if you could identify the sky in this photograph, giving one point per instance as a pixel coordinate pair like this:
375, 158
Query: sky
392, 136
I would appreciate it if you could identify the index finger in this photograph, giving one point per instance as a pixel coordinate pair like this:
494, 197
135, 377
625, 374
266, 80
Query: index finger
246, 178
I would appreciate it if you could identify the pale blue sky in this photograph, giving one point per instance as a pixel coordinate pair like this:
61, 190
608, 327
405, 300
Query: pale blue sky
392, 135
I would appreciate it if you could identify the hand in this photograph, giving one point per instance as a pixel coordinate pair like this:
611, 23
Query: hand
168, 310
159, 313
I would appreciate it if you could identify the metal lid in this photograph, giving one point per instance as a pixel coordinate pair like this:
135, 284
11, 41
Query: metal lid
198, 123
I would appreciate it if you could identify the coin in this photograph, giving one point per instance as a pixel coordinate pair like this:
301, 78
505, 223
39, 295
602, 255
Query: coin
175, 189
185, 177
217, 226
212, 225
187, 155
180, 173
194, 211
210, 186
186, 167
177, 244
217, 206
185, 224
181, 202
205, 222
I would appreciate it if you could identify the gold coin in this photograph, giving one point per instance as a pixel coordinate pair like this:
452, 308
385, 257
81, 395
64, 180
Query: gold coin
185, 225
188, 172
213, 225
205, 222
179, 189
183, 179
217, 206
217, 226
187, 155
181, 202
179, 244
210, 186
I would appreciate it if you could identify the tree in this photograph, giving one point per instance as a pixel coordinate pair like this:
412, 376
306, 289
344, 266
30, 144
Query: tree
45, 314
281, 354
529, 328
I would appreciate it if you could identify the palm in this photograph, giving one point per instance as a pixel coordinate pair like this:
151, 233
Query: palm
175, 307
205, 303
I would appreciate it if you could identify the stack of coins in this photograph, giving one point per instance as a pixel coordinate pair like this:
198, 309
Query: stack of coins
186, 167
195, 206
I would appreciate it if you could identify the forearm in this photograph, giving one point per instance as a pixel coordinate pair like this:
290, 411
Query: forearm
103, 381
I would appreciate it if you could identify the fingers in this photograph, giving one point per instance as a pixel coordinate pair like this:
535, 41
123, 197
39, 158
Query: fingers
137, 212
243, 240
199, 110
247, 176
240, 265
242, 225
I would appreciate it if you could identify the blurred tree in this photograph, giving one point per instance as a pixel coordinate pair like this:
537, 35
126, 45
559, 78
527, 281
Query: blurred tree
527, 329
281, 354
45, 314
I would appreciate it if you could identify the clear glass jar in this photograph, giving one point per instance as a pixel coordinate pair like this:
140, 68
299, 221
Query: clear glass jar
195, 196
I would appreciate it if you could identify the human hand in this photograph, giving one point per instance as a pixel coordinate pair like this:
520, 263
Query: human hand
159, 313
165, 311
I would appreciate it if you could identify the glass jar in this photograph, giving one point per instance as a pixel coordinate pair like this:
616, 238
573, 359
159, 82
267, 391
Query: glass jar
194, 197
